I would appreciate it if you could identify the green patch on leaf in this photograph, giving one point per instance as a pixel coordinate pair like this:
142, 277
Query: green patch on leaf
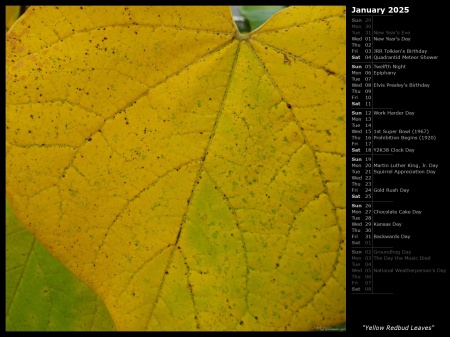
41, 294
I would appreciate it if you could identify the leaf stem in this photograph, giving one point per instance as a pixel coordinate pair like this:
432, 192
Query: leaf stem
241, 37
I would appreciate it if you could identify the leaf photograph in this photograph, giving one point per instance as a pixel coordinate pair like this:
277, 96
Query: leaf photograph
165, 171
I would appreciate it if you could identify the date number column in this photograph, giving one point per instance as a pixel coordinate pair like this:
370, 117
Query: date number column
361, 224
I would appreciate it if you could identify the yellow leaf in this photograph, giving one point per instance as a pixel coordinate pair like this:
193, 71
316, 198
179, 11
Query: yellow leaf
193, 176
